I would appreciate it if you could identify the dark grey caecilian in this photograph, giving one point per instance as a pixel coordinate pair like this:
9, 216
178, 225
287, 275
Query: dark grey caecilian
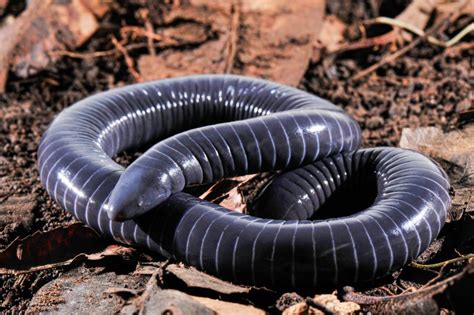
343, 216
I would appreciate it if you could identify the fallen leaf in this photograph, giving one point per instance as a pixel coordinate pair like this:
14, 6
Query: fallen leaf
45, 25
82, 291
208, 25
173, 302
194, 278
227, 193
58, 247
455, 147
237, 192
276, 38
228, 308
270, 39
417, 14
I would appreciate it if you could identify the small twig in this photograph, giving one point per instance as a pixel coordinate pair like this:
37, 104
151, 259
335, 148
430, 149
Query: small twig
387, 59
368, 42
128, 60
137, 31
233, 37
313, 303
439, 276
144, 13
104, 53
387, 290
392, 57
86, 55
443, 263
415, 30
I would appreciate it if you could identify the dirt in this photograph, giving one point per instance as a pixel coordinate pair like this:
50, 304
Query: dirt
427, 87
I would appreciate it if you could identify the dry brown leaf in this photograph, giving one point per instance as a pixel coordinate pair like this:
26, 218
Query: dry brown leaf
194, 278
456, 146
209, 26
59, 247
173, 302
228, 308
270, 39
45, 25
276, 41
417, 14
227, 193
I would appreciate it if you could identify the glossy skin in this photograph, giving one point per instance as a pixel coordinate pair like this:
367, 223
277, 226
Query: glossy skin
250, 126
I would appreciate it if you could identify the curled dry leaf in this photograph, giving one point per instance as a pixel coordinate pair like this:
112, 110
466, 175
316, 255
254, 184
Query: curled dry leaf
46, 25
237, 192
270, 39
59, 247
227, 192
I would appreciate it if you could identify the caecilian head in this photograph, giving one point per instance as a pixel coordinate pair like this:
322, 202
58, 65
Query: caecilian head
137, 191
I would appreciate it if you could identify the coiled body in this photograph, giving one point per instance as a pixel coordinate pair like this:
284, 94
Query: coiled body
246, 126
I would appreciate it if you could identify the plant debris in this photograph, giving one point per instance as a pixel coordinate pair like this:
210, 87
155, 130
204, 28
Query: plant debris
59, 247
427, 85
269, 40
194, 278
43, 27
84, 291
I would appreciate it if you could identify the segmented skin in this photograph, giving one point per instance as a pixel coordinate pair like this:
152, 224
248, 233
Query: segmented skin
338, 216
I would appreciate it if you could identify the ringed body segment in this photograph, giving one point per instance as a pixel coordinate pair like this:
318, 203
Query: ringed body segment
205, 128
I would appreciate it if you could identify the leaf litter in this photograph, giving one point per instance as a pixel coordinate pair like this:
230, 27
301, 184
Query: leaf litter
177, 31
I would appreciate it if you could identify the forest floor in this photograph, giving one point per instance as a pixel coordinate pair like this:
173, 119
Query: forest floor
426, 86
